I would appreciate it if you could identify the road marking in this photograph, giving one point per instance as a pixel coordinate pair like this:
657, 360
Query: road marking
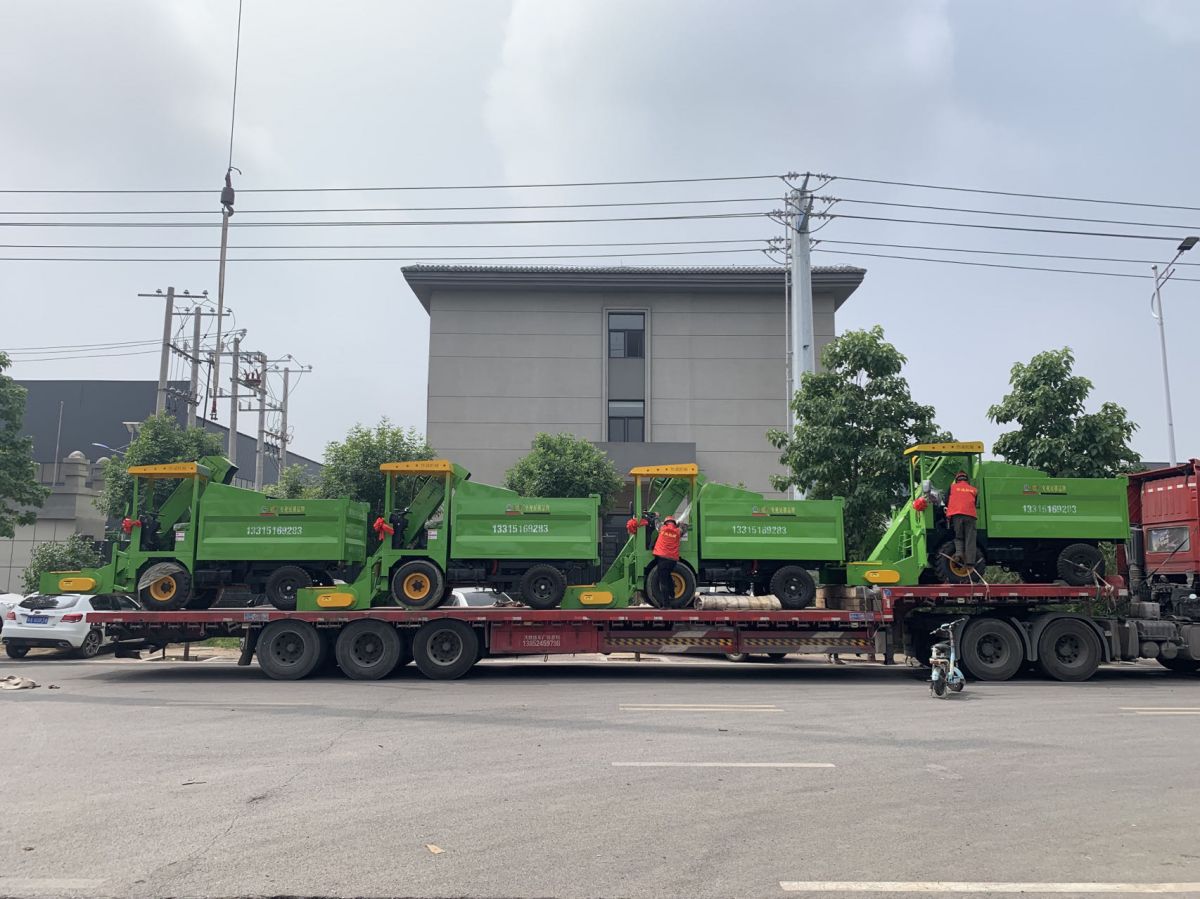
723, 765
16, 886
1151, 712
1160, 708
701, 707
978, 886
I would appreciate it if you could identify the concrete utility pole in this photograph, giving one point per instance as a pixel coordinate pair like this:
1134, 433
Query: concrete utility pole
803, 341
283, 434
160, 400
227, 197
260, 455
193, 395
233, 399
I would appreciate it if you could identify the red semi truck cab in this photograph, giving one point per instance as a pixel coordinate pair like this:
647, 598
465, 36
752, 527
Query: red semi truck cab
1164, 540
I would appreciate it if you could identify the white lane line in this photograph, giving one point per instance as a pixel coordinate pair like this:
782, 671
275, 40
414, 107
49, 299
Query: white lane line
702, 707
723, 765
977, 886
1160, 708
18, 886
1165, 713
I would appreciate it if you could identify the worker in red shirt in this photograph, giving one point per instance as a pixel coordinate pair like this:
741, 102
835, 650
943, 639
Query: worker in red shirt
961, 513
666, 554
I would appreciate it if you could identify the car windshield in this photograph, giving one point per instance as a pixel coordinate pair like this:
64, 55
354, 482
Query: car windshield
49, 602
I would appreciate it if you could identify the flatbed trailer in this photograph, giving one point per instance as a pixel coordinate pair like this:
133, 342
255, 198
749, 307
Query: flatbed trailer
1066, 631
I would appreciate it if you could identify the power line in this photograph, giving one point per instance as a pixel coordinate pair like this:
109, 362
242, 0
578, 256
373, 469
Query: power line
987, 227
373, 188
342, 224
373, 246
87, 356
392, 208
1027, 268
80, 346
1011, 193
1025, 215
904, 246
373, 258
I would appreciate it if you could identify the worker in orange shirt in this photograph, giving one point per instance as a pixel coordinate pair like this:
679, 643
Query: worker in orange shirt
961, 513
666, 555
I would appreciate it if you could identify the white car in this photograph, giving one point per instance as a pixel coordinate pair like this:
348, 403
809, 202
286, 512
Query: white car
59, 622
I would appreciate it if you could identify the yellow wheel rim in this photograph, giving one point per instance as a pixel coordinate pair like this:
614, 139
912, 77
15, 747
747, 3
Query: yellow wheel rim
959, 570
163, 590
416, 586
679, 583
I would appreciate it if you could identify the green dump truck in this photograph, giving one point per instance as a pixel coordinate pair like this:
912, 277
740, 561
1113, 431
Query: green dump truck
732, 537
189, 533
439, 530
1041, 527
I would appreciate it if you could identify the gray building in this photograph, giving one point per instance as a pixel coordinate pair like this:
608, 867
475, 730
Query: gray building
654, 365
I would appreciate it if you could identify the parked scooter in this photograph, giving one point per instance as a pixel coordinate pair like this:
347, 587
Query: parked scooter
945, 676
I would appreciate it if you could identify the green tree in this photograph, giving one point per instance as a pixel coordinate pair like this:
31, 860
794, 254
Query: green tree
564, 465
295, 482
1054, 433
853, 422
76, 552
352, 465
159, 440
19, 488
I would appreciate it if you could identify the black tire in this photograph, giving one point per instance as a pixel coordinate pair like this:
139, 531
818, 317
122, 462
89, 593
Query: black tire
168, 593
543, 587
951, 572
92, 643
418, 585
776, 656
15, 651
283, 585
991, 649
794, 587
938, 687
1068, 650
288, 650
368, 650
1180, 666
203, 598
738, 656
445, 649
1080, 564
685, 587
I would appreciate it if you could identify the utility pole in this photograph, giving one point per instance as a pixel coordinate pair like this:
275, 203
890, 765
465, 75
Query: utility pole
160, 400
193, 395
283, 432
803, 341
233, 399
227, 197
262, 422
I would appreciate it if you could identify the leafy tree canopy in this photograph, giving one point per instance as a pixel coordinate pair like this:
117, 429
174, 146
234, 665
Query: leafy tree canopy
19, 488
295, 482
564, 465
159, 440
76, 552
352, 465
853, 422
1053, 431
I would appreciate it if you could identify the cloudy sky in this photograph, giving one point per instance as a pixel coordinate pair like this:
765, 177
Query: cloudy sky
1084, 99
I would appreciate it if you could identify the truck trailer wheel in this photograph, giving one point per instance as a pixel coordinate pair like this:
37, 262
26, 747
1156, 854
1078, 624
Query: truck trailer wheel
991, 649
445, 649
165, 587
288, 650
1080, 564
794, 587
368, 650
283, 584
543, 587
418, 585
1068, 650
684, 583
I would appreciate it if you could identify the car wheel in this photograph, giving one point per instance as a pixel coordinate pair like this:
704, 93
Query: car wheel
16, 651
90, 647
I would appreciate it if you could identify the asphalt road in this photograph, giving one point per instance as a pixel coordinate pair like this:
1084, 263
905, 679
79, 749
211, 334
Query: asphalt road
580, 779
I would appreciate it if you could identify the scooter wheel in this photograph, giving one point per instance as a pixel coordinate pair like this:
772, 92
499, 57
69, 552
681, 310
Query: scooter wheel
938, 686
957, 686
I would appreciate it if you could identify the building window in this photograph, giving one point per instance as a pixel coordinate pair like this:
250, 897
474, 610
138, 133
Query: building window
627, 421
626, 335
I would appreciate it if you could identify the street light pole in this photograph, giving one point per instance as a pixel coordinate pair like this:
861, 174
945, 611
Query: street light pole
1156, 310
